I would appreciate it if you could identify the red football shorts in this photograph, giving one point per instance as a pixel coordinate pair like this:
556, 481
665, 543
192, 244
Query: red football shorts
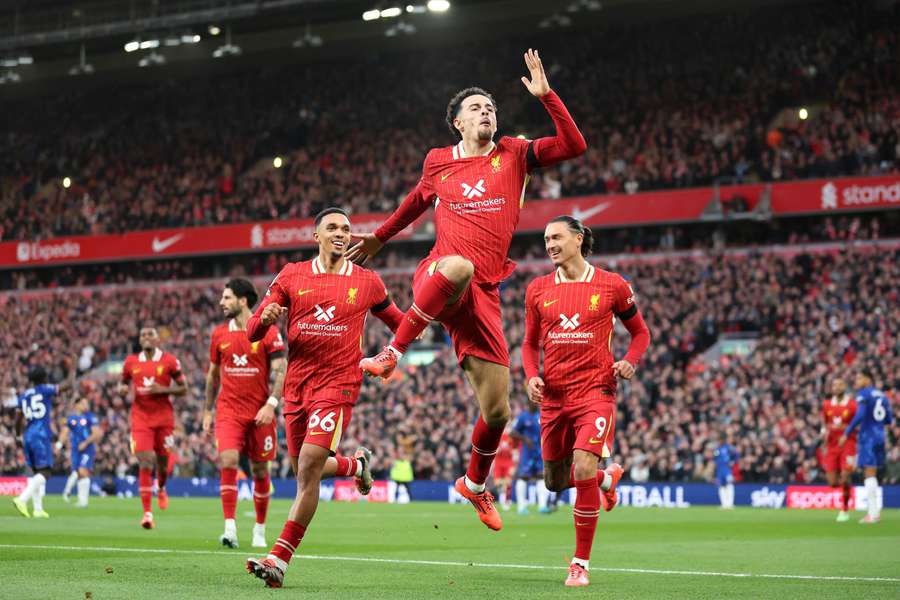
158, 439
259, 443
588, 426
319, 422
840, 458
474, 322
503, 469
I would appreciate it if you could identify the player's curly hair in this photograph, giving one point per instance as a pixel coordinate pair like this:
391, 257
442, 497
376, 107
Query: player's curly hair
456, 104
242, 288
576, 226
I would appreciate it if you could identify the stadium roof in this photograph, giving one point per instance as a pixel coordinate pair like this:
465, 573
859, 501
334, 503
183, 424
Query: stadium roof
50, 39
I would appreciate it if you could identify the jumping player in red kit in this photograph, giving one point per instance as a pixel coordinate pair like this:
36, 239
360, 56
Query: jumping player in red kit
477, 188
840, 459
570, 315
157, 376
245, 411
326, 301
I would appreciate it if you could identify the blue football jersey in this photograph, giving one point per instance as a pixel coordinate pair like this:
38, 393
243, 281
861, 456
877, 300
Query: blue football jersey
80, 427
37, 405
528, 425
873, 414
725, 456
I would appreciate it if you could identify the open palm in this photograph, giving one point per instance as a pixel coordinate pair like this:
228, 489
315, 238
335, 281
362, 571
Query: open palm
538, 84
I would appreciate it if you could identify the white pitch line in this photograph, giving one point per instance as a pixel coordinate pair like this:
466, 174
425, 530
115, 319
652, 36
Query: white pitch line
447, 563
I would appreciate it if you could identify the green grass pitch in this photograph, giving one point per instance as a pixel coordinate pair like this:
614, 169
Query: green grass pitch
435, 550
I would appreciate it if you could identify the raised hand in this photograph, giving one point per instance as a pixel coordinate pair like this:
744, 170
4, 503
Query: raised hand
538, 85
367, 247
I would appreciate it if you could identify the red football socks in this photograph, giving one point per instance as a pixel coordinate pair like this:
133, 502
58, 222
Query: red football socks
261, 489
228, 491
427, 304
346, 466
287, 542
586, 511
485, 442
601, 476
145, 487
162, 475
846, 498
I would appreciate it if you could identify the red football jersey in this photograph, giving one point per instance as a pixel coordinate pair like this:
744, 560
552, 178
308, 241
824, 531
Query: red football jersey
837, 414
162, 368
243, 368
326, 316
574, 322
476, 200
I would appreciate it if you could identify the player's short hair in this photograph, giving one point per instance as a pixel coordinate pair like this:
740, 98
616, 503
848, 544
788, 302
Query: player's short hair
331, 210
455, 105
867, 373
37, 375
576, 226
242, 288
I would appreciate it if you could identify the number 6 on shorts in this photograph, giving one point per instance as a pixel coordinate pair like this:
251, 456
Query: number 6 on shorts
327, 422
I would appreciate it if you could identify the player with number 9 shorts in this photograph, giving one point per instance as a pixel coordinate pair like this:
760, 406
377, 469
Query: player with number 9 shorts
570, 315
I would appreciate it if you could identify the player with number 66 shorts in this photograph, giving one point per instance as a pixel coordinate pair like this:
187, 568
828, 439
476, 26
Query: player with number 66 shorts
324, 302
570, 314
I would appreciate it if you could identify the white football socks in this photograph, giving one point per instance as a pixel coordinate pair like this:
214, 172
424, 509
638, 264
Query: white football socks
84, 490
70, 483
521, 494
543, 494
871, 484
37, 499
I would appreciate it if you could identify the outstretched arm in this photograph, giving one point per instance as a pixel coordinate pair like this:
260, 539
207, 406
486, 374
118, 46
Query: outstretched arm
568, 141
412, 207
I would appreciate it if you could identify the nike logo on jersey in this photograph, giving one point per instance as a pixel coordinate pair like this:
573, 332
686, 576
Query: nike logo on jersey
224, 346
546, 303
445, 176
301, 292
159, 245
317, 432
593, 441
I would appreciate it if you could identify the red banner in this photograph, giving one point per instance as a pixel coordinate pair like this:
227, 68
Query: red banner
670, 206
828, 195
345, 490
162, 243
818, 497
12, 486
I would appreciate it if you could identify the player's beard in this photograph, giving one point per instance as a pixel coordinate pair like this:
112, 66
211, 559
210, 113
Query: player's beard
485, 135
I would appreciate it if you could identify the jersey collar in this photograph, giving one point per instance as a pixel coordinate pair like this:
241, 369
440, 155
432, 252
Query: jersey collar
319, 269
588, 275
459, 150
157, 355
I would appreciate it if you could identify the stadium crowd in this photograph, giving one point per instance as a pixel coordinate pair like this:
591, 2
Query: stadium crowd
817, 315
661, 105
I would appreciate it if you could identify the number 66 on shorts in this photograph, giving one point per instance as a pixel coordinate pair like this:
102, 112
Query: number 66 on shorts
320, 422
